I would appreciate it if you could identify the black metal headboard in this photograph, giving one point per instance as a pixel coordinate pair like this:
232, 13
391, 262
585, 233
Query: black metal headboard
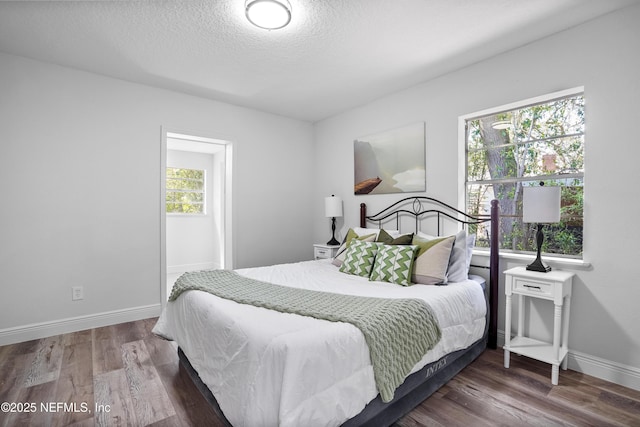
420, 208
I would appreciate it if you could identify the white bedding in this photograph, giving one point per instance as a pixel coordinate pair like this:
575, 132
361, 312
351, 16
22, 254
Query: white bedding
267, 368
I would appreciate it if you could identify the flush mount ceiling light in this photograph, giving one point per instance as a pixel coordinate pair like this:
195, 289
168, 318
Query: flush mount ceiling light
268, 14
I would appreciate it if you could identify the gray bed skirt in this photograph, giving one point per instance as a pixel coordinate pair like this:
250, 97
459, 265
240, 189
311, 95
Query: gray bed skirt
415, 389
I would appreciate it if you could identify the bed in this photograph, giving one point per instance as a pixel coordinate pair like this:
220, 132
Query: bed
259, 366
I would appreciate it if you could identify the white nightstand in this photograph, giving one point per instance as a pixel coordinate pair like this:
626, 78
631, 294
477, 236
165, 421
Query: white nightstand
554, 286
321, 251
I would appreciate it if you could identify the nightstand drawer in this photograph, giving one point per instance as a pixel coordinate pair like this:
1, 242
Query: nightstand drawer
324, 251
532, 287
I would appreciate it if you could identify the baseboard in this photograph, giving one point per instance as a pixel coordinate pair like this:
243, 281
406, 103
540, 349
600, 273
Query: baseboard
74, 324
624, 375
627, 376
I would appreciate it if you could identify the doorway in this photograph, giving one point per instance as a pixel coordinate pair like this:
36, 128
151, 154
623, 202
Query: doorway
196, 231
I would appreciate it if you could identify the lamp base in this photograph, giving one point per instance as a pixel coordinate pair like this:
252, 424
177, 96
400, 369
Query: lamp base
537, 265
333, 242
541, 268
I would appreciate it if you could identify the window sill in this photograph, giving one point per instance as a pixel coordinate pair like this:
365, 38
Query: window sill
528, 258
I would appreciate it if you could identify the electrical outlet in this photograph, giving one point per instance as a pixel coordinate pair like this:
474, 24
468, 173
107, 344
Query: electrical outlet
77, 293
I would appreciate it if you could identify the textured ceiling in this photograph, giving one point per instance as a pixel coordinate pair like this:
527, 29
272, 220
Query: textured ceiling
335, 54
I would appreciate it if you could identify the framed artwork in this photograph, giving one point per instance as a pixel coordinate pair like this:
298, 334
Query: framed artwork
391, 162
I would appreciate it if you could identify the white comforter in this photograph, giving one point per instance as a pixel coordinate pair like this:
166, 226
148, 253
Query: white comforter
267, 368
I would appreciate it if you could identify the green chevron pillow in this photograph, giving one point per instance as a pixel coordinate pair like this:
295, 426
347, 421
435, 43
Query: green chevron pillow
394, 264
351, 235
359, 257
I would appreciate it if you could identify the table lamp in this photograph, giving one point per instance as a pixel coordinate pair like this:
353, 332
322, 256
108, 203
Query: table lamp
540, 205
333, 209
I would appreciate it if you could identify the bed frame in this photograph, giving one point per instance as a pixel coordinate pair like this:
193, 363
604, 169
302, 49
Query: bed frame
421, 210
422, 384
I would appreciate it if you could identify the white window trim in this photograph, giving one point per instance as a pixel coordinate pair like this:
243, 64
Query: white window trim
462, 171
528, 258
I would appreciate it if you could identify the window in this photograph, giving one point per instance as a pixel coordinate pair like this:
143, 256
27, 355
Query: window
185, 191
524, 145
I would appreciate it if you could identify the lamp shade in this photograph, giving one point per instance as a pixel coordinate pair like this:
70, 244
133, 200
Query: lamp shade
332, 206
541, 204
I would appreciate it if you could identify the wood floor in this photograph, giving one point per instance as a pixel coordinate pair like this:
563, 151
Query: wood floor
124, 375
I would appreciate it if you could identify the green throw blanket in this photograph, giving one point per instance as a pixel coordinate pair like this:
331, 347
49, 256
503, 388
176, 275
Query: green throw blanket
398, 331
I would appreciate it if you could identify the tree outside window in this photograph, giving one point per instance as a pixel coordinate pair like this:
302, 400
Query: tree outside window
185, 191
509, 150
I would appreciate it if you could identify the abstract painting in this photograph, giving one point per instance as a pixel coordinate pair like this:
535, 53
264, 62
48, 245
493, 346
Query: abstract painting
391, 162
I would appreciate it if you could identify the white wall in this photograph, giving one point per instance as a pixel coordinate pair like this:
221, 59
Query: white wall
602, 56
80, 172
80, 167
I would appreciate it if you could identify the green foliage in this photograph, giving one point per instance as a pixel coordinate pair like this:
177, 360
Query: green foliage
543, 142
185, 191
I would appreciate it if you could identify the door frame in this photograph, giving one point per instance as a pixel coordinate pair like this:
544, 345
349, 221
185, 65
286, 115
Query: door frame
227, 253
